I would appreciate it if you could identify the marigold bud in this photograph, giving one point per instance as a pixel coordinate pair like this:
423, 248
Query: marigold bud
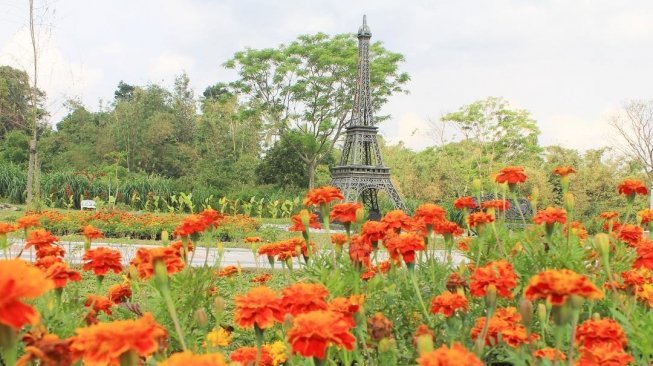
219, 306
387, 344
526, 311
424, 344
569, 202
165, 237
596, 316
602, 244
476, 186
201, 318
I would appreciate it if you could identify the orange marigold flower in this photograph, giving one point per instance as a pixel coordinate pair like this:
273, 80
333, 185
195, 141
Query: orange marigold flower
499, 205
39, 238
246, 356
102, 260
50, 251
99, 303
556, 285
46, 262
463, 243
187, 358
498, 273
505, 325
345, 212
262, 278
550, 216
49, 349
338, 239
212, 218
637, 277
644, 255
465, 202
228, 271
29, 221
145, 259
303, 297
603, 331
19, 280
298, 225
347, 307
313, 332
448, 228
564, 171
631, 187
479, 218
6, 228
448, 303
373, 231
261, 306
603, 354
550, 354
103, 343
379, 327
405, 244
178, 246
60, 274
360, 250
645, 216
430, 214
445, 356
193, 224
253, 239
90, 232
631, 234
609, 215
120, 293
322, 196
397, 220
511, 175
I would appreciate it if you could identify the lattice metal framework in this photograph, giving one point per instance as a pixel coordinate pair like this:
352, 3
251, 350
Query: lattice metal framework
361, 173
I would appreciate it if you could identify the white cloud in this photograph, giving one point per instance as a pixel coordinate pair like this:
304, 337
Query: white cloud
59, 76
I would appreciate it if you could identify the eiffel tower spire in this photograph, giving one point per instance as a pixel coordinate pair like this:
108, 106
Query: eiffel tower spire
361, 173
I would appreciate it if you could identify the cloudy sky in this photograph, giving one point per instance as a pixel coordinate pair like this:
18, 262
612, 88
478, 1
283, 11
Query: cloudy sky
571, 63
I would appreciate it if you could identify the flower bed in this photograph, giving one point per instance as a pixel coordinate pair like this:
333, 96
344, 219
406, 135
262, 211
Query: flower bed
545, 294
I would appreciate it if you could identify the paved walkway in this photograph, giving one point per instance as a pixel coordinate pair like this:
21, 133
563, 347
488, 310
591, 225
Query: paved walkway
203, 256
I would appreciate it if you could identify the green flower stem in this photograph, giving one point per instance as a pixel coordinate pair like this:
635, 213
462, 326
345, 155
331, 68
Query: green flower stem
8, 345
161, 282
574, 323
259, 344
413, 278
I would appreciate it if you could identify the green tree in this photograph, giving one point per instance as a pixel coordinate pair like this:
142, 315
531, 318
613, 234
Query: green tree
308, 87
504, 135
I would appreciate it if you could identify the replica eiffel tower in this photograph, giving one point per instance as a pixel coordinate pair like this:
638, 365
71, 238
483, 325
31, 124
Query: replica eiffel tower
361, 172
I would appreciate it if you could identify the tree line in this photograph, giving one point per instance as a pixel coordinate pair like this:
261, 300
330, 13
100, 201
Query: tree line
275, 131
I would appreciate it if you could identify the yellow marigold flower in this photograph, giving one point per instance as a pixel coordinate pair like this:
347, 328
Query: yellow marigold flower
218, 337
645, 293
278, 352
